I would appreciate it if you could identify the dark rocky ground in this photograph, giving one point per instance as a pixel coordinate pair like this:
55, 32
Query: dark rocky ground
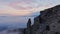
48, 22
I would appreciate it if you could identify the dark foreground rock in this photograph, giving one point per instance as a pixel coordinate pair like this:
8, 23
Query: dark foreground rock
48, 22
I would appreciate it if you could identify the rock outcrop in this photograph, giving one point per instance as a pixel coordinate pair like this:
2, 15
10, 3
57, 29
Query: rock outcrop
28, 29
48, 22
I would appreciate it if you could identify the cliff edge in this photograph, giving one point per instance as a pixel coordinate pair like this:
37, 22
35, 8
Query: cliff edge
48, 22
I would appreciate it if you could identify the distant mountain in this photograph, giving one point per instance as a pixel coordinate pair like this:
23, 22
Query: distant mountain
2, 28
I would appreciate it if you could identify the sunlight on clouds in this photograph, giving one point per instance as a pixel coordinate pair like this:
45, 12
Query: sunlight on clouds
24, 7
14, 12
43, 7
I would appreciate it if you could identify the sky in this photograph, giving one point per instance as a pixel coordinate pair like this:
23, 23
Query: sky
11, 11
24, 7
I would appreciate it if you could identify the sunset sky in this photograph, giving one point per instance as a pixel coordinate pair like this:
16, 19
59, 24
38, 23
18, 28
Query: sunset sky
12, 10
24, 7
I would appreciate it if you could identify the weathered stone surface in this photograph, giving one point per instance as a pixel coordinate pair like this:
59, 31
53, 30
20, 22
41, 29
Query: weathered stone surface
48, 22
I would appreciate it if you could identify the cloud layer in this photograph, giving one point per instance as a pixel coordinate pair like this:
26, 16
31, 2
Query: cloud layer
12, 10
24, 7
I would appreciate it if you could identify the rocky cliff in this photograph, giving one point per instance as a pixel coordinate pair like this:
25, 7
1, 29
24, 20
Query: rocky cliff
48, 22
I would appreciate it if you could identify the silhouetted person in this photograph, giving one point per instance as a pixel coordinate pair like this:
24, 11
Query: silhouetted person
29, 26
29, 23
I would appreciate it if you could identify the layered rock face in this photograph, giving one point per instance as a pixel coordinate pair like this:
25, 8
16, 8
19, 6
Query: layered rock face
48, 22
